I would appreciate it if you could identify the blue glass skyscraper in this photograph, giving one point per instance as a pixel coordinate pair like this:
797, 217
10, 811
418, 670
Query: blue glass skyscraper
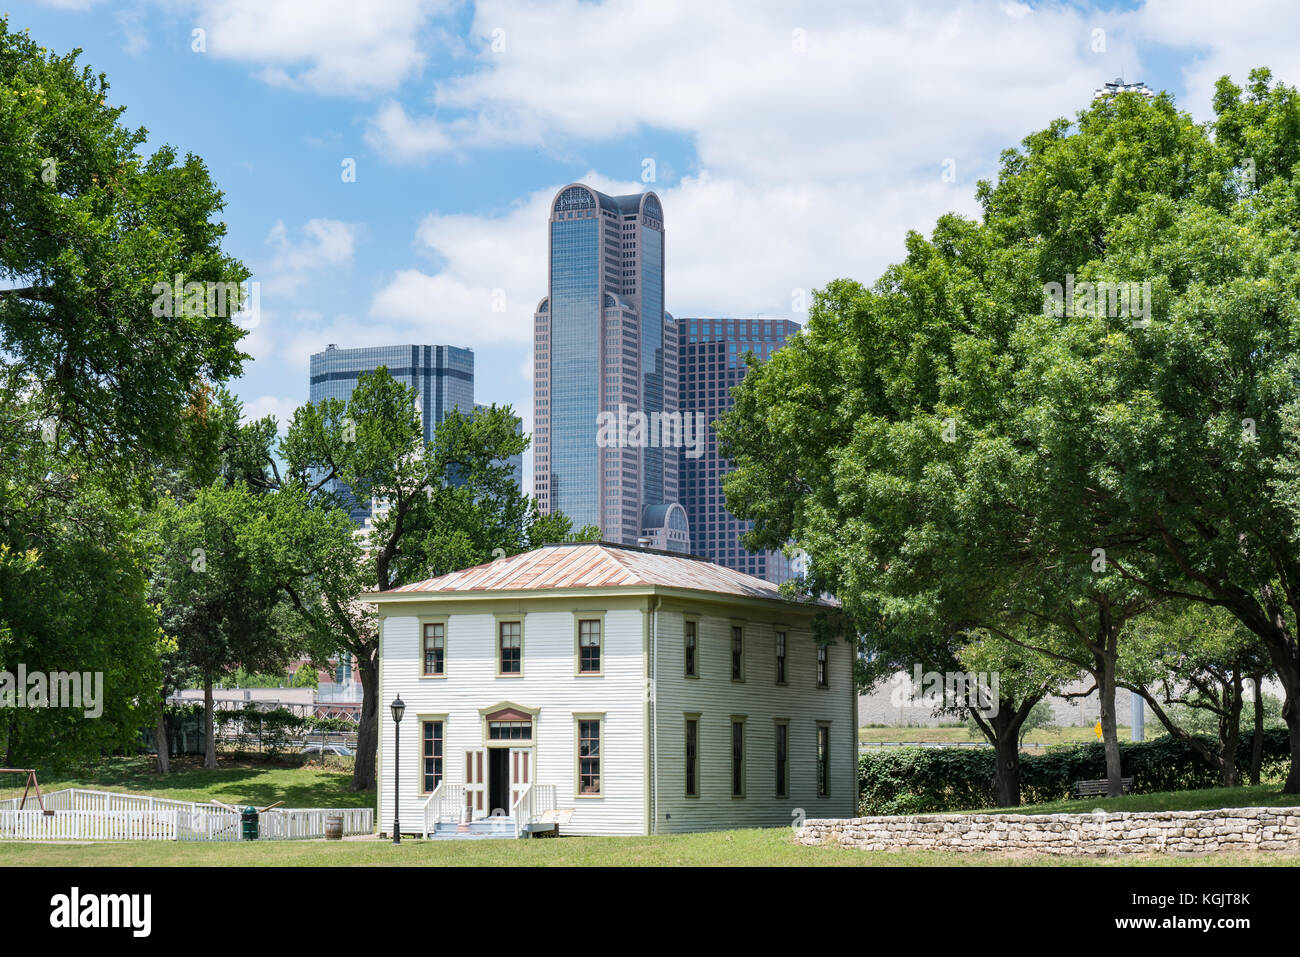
712, 353
604, 347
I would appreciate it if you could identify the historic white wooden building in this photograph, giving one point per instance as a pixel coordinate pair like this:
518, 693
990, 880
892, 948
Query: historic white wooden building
617, 690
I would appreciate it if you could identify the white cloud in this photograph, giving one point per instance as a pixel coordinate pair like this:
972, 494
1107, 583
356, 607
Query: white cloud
815, 151
493, 272
280, 407
324, 244
326, 46
1224, 39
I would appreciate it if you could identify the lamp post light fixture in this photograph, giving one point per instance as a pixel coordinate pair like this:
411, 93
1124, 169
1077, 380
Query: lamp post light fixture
398, 707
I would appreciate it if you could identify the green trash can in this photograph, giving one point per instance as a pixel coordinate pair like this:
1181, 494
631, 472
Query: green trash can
249, 821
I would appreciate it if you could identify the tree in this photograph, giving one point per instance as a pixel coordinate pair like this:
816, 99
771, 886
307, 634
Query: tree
1187, 449
1144, 413
88, 228
215, 592
72, 596
1196, 658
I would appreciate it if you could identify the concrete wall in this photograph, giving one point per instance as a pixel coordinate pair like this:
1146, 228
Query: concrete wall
1242, 829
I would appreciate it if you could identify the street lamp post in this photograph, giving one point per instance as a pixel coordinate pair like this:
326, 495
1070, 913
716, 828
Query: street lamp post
398, 706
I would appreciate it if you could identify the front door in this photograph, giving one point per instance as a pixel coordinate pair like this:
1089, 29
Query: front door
521, 772
499, 781
475, 784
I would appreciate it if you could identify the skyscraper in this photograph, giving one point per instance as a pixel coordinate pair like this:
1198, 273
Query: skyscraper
442, 376
605, 351
712, 352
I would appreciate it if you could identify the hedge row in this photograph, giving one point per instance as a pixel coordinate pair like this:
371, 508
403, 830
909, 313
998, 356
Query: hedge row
932, 780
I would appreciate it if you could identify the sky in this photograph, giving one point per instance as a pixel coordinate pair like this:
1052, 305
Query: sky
790, 143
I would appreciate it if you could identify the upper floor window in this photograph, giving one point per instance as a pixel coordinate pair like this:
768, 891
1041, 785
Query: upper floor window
737, 653
435, 648
780, 657
511, 647
823, 677
691, 649
589, 646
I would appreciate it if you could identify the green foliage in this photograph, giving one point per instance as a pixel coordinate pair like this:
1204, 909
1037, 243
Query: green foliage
87, 227
935, 780
72, 594
955, 457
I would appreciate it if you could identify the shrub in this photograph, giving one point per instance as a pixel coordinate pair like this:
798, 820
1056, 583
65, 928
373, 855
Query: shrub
935, 780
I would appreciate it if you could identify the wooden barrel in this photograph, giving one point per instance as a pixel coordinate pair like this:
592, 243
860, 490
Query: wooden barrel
334, 827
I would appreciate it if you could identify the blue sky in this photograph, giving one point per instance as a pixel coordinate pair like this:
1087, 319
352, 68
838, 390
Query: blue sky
791, 143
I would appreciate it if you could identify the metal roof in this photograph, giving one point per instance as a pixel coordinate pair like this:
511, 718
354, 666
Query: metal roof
597, 565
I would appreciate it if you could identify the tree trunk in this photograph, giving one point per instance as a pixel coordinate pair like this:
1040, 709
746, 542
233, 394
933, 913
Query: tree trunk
363, 771
209, 735
161, 743
1230, 732
1257, 743
1284, 652
1003, 732
1107, 640
1287, 667
1006, 748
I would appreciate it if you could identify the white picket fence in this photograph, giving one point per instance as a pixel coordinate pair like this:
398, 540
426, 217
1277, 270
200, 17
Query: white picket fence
107, 816
89, 825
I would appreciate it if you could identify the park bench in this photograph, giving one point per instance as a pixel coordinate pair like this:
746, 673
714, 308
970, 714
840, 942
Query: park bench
1099, 788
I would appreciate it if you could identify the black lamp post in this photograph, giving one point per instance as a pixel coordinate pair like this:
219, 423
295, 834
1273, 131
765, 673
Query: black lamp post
398, 706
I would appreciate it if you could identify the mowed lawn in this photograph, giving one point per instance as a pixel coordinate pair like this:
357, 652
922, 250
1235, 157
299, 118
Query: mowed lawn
256, 781
237, 782
745, 848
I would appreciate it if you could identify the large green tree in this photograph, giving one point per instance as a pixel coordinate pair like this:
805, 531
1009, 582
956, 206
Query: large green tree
88, 227
73, 597
954, 430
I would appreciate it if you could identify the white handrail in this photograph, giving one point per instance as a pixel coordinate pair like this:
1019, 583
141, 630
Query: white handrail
522, 810
434, 802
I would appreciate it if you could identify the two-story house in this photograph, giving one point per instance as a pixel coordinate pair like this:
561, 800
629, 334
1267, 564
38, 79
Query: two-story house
618, 690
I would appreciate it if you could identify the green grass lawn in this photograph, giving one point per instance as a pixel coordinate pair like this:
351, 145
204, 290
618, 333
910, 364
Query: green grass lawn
766, 848
257, 781
237, 781
1263, 795
1045, 736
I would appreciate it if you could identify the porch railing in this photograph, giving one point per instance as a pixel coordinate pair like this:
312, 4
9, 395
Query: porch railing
534, 801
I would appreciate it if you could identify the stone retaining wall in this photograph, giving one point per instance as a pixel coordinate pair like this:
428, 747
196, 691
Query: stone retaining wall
1125, 832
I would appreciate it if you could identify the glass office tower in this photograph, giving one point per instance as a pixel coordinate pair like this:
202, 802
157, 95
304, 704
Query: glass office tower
712, 363
442, 376
605, 347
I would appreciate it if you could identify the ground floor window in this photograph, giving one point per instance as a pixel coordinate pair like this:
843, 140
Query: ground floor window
589, 756
431, 754
737, 758
692, 757
823, 760
782, 757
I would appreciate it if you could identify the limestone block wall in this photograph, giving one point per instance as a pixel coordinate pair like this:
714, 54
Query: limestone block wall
1126, 832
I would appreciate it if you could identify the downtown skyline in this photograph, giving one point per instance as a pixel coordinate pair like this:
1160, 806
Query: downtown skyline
758, 154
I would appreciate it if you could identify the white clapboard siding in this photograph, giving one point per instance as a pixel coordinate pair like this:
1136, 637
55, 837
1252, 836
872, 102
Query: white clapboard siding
715, 697
548, 684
